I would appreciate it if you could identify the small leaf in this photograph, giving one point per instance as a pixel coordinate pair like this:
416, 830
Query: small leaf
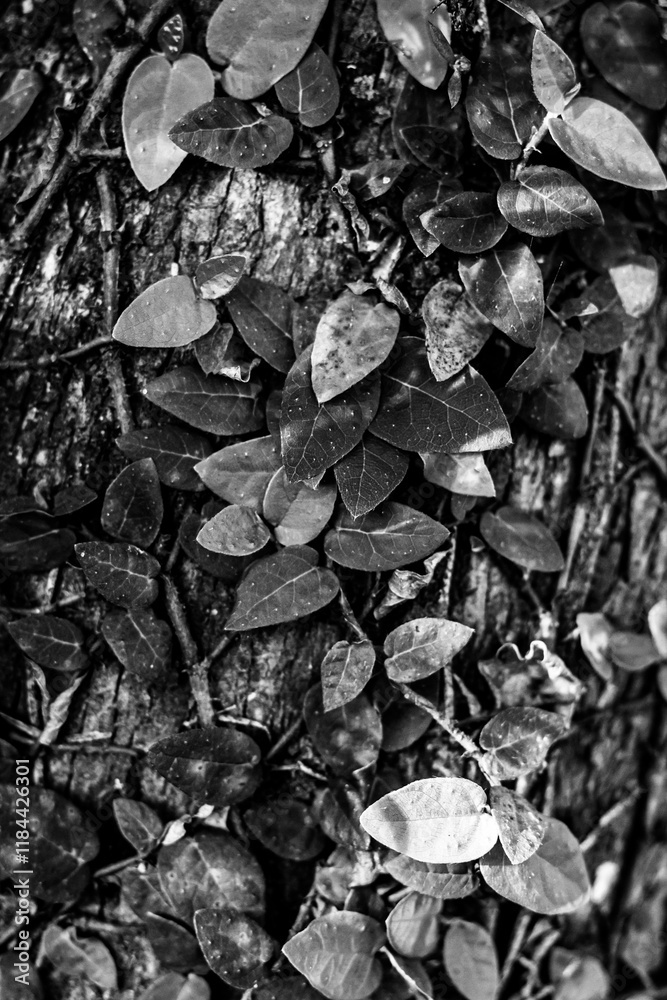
223, 352
521, 826
632, 652
208, 402
468, 222
51, 642
553, 74
18, 90
72, 499
85, 958
389, 537
232, 134
297, 512
171, 37
501, 109
122, 573
525, 11
227, 568
559, 410
406, 27
174, 450
281, 588
310, 90
375, 178
471, 961
352, 338
241, 472
260, 41
262, 314
423, 197
167, 314
557, 354
348, 737
454, 334
594, 635
518, 740
413, 926
369, 474
140, 641
157, 94
234, 945
603, 140
637, 282
32, 542
336, 954
346, 669
506, 286
132, 510
214, 766
521, 538
287, 827
465, 473
235, 531
544, 201
553, 880
437, 820
138, 823
218, 275
420, 647
442, 881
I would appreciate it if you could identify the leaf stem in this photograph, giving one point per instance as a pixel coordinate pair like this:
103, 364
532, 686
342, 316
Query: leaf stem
533, 143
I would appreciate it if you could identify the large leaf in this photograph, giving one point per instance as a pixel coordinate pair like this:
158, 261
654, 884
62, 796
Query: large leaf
348, 737
471, 961
234, 945
336, 954
297, 512
140, 641
553, 74
441, 881
543, 201
522, 538
315, 437
413, 926
520, 826
559, 410
553, 880
232, 134
418, 413
280, 588
454, 333
167, 314
506, 286
311, 90
174, 450
352, 338
405, 25
262, 314
132, 510
501, 108
234, 531
604, 141
468, 222
389, 537
51, 642
557, 354
369, 473
121, 572
464, 473
518, 740
208, 402
437, 820
158, 93
346, 669
420, 647
18, 90
213, 766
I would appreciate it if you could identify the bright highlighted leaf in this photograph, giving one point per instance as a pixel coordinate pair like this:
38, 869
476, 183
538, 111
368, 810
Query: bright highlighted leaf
405, 25
553, 74
132, 510
557, 354
632, 651
208, 402
437, 820
442, 881
454, 333
423, 197
348, 737
311, 90
375, 178
553, 880
168, 314
282, 587
657, 623
522, 538
336, 954
18, 90
122, 573
234, 945
420, 647
543, 201
174, 450
51, 642
637, 282
346, 669
471, 961
171, 37
559, 410
262, 314
369, 473
502, 111
518, 740
158, 94
506, 286
413, 926
241, 472
140, 641
234, 531
232, 134
603, 140
594, 634
468, 222
218, 275
464, 473
214, 766
521, 828
389, 537
420, 414
297, 512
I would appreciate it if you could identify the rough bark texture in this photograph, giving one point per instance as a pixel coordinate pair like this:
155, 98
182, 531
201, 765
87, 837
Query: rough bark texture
59, 425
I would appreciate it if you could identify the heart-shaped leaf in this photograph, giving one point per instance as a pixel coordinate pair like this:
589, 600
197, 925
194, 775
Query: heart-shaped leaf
405, 25
420, 647
260, 41
559, 410
522, 538
420, 414
168, 314
336, 954
122, 573
346, 669
454, 333
471, 961
543, 201
232, 134
140, 641
132, 510
208, 402
506, 286
51, 642
310, 90
241, 472
174, 450
465, 473
468, 222
557, 354
18, 90
521, 828
213, 766
437, 820
281, 588
138, 823
297, 512
234, 945
501, 108
218, 275
353, 337
603, 140
553, 880
234, 531
553, 74
442, 881
369, 473
413, 926
287, 827
389, 537
348, 737
518, 740
158, 93
262, 314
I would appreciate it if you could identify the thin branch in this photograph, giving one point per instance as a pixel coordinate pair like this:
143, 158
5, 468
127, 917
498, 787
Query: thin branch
197, 670
46, 360
641, 440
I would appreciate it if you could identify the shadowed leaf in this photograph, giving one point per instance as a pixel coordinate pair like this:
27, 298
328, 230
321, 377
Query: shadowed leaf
543, 201
559, 410
501, 109
133, 510
297, 512
522, 538
208, 402
405, 24
232, 134
348, 737
234, 531
518, 740
369, 473
521, 826
18, 90
442, 881
122, 573
241, 472
471, 961
140, 641
553, 74
218, 275
174, 450
213, 766
262, 314
506, 286
468, 222
50, 641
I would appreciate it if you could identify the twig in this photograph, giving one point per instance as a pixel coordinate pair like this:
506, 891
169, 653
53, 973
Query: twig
521, 928
533, 143
285, 739
641, 440
51, 359
350, 617
336, 19
197, 670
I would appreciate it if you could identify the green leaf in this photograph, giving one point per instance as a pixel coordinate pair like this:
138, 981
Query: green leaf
405, 25
521, 828
174, 450
240, 473
389, 537
603, 140
502, 111
218, 275
18, 90
260, 41
454, 334
369, 474
471, 961
140, 641
336, 954
413, 926
465, 473
262, 314
468, 222
297, 512
553, 880
544, 201
310, 90
442, 881
121, 572
230, 133
346, 669
437, 820
506, 286
420, 647
51, 642
557, 354
158, 93
522, 538
281, 588
234, 945
553, 74
558, 410
210, 403
234, 531
138, 823
213, 766
518, 740
348, 737
133, 510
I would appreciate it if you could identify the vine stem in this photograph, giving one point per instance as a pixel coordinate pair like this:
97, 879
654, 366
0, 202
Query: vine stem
533, 143
197, 670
